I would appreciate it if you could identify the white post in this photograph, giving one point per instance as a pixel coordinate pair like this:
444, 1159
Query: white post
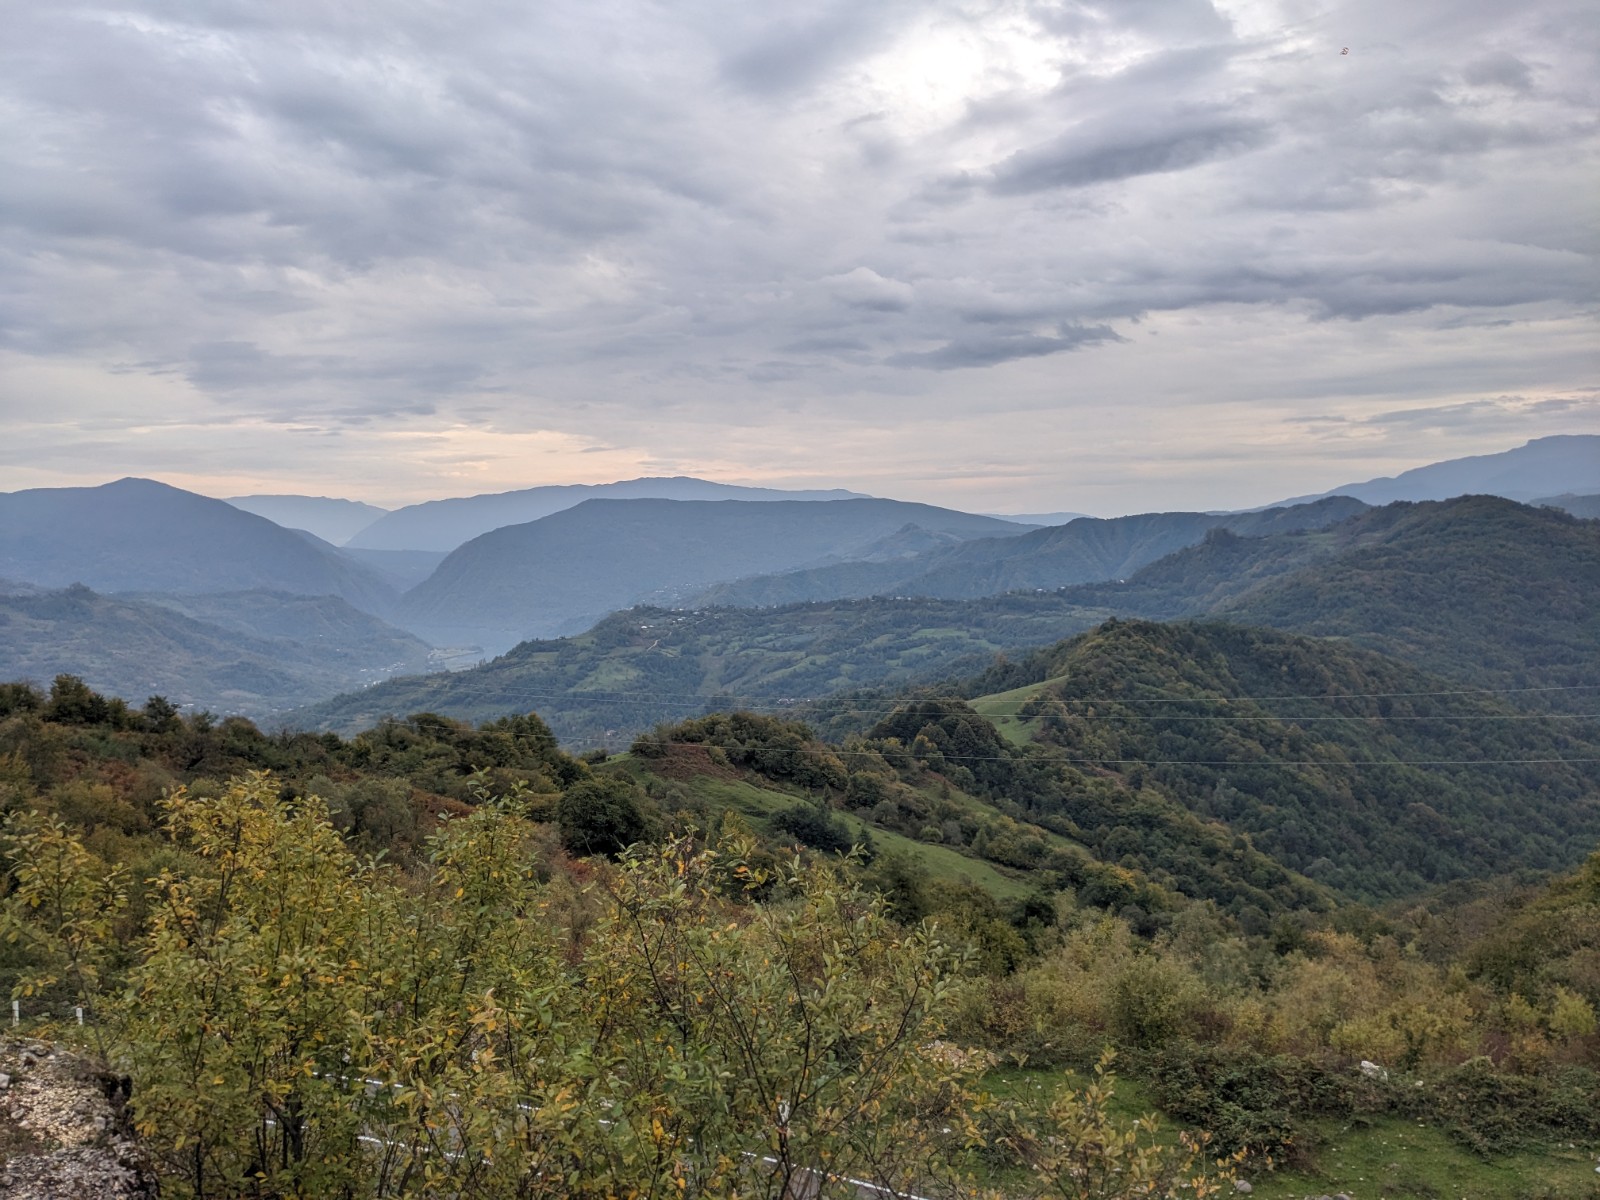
16, 1013
79, 1011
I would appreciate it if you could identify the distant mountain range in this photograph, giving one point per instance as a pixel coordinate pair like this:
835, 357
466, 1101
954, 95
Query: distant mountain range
446, 524
1542, 467
1052, 518
1480, 589
1579, 506
334, 521
563, 572
1088, 549
140, 535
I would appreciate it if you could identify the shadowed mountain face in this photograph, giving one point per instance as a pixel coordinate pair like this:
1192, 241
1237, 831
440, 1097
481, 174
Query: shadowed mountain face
253, 653
1086, 550
446, 524
139, 535
1543, 467
565, 571
332, 520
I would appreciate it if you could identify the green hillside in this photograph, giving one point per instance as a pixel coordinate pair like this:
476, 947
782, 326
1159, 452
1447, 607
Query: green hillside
1039, 908
651, 664
1348, 767
252, 653
1483, 590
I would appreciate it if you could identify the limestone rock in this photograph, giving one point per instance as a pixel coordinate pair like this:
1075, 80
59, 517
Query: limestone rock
67, 1135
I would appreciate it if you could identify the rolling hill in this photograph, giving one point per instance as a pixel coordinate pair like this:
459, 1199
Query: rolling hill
252, 653
1489, 592
645, 665
140, 535
1353, 769
443, 525
561, 573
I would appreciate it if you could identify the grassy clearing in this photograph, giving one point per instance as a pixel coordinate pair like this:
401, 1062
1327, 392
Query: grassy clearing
1403, 1159
942, 862
1368, 1158
1000, 708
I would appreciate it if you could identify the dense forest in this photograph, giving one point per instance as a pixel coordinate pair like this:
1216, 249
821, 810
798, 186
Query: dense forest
433, 958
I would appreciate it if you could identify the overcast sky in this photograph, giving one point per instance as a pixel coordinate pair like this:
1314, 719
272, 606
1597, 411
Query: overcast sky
1006, 256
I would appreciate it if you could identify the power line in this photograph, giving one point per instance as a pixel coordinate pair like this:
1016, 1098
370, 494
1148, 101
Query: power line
827, 751
747, 700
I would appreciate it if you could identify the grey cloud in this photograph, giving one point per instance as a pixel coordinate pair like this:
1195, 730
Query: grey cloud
1101, 155
521, 217
1501, 68
992, 351
1498, 410
799, 49
1167, 19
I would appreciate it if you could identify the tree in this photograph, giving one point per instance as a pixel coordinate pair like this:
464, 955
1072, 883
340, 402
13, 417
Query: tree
600, 816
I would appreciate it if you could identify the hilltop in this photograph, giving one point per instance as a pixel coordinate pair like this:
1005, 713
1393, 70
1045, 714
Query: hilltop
140, 535
442, 525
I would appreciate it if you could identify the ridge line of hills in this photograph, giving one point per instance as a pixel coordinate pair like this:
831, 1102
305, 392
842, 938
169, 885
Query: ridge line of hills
1480, 589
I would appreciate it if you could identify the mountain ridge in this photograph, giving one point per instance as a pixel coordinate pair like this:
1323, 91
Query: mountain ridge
451, 522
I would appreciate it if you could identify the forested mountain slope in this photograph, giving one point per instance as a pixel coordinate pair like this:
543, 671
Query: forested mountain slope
1478, 587
253, 653
1488, 591
140, 535
1351, 768
1081, 551
565, 571
645, 665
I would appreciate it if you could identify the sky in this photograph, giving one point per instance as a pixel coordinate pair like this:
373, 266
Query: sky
1009, 256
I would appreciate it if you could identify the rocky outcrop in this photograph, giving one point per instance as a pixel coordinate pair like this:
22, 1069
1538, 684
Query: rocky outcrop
64, 1129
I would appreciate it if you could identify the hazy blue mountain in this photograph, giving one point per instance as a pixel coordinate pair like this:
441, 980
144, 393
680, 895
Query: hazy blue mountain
140, 535
1542, 467
1587, 507
402, 569
332, 520
563, 572
1054, 518
258, 654
1086, 550
446, 524
1486, 591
